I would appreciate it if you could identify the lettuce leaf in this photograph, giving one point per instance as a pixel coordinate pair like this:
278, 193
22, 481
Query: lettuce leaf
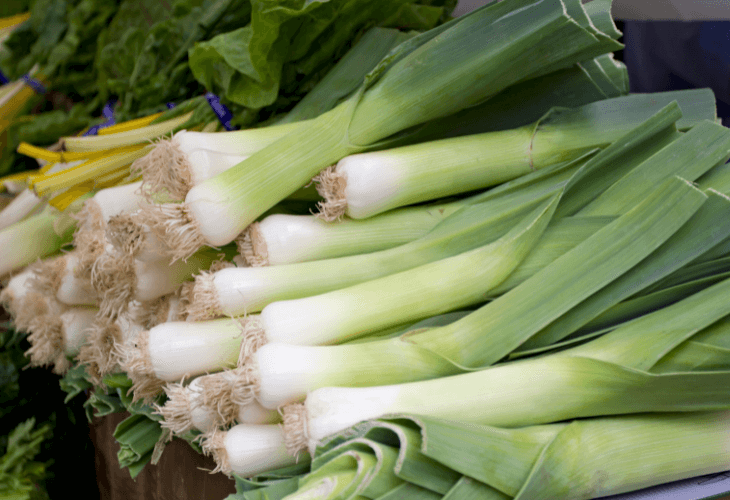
288, 40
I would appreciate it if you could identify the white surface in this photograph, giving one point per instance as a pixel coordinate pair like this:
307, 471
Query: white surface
688, 489
647, 10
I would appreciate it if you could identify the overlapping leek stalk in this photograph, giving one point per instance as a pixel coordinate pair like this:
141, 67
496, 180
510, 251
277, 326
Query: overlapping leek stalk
417, 457
367, 184
436, 64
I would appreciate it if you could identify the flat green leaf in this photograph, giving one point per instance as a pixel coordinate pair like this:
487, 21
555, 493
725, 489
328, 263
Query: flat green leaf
504, 324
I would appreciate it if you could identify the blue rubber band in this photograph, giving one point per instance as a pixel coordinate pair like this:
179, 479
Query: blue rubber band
108, 113
223, 113
34, 84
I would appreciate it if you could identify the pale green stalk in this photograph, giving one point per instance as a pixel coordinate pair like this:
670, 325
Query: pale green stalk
366, 184
504, 324
617, 454
708, 226
121, 139
39, 239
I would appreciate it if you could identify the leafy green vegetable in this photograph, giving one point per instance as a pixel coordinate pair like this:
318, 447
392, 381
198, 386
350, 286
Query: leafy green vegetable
144, 61
11, 7
27, 394
288, 40
19, 473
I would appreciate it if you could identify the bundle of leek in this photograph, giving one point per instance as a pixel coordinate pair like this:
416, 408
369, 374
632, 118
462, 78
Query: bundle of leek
673, 360
457, 65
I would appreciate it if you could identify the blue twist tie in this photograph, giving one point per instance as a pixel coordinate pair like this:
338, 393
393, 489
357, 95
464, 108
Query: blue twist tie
34, 84
108, 113
3, 78
223, 113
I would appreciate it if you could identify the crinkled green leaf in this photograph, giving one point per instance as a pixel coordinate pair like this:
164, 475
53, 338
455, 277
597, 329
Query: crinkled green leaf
245, 66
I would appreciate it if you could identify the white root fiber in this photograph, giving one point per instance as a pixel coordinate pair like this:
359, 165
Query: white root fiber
165, 169
226, 391
296, 439
114, 279
213, 444
331, 186
201, 298
89, 239
252, 246
172, 224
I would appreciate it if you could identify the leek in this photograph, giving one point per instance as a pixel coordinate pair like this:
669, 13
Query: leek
90, 239
39, 239
285, 239
137, 436
189, 407
181, 163
171, 351
102, 353
279, 373
420, 292
57, 277
54, 338
120, 279
366, 184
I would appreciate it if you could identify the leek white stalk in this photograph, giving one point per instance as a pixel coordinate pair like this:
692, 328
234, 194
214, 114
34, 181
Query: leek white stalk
53, 339
175, 180
15, 291
72, 290
189, 158
57, 277
507, 396
239, 291
285, 239
247, 450
171, 351
609, 375
20, 207
90, 238
158, 311
234, 292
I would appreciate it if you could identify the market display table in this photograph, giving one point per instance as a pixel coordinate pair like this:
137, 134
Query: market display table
181, 474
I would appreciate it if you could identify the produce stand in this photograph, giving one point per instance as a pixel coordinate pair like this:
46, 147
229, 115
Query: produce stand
360, 250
